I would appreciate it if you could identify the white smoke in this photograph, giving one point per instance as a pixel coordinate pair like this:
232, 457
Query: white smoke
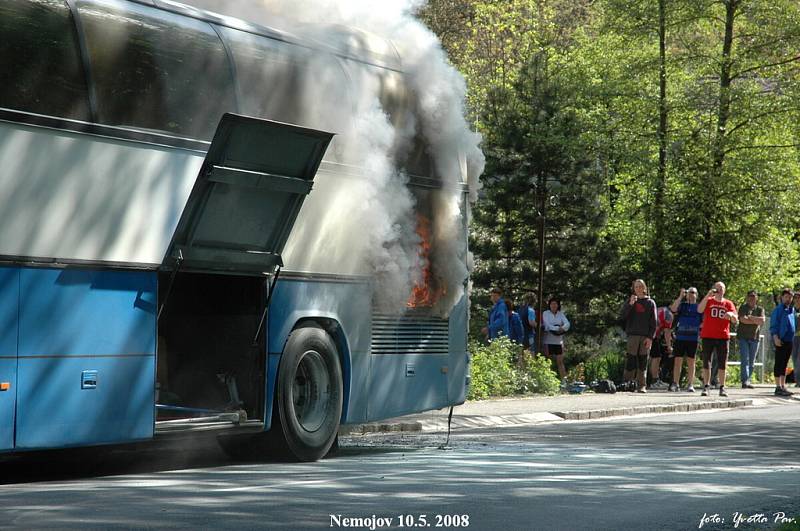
381, 206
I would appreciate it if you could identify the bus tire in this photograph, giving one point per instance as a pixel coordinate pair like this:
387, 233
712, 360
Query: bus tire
308, 395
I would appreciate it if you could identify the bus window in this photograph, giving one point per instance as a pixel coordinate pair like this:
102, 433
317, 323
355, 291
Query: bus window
270, 75
40, 66
156, 70
292, 84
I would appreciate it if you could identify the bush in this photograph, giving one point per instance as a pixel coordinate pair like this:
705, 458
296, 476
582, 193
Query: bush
733, 375
493, 371
576, 373
608, 366
584, 349
537, 376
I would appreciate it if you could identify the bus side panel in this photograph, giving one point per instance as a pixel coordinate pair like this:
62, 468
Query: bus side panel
9, 309
347, 303
459, 356
406, 383
86, 357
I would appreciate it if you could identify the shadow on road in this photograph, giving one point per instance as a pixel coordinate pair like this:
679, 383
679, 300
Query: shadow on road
139, 458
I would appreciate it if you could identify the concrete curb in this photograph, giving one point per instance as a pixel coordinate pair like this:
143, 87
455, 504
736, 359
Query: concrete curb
485, 421
683, 407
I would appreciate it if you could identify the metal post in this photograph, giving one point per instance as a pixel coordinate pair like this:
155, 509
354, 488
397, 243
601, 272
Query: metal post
542, 202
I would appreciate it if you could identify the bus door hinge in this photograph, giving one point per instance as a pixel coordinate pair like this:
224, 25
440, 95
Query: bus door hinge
276, 273
178, 262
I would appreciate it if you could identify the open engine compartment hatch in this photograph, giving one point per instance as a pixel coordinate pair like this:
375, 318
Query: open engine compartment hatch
246, 198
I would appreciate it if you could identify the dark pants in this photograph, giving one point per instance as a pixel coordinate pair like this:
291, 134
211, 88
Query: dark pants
782, 355
636, 361
718, 346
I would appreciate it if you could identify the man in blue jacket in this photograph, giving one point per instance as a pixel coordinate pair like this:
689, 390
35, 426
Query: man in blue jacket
498, 317
782, 328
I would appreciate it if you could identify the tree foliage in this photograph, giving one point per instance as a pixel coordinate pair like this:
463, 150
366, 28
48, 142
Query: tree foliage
663, 135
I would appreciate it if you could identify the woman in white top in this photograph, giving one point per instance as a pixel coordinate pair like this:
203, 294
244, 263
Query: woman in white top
555, 324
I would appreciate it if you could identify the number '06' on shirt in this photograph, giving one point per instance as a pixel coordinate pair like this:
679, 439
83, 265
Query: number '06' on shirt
716, 324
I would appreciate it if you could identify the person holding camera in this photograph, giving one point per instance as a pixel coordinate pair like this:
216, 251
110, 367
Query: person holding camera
638, 316
718, 314
687, 335
555, 324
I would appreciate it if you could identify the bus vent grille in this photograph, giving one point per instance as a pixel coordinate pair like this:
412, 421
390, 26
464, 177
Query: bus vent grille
393, 334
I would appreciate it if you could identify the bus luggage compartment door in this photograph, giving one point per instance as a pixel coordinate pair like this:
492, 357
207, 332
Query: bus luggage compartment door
9, 308
86, 357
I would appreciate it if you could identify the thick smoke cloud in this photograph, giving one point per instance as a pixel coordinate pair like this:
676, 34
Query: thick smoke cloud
380, 207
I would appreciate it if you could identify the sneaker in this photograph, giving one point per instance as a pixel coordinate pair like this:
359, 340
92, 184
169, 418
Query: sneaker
786, 392
722, 392
779, 391
661, 385
641, 390
690, 389
705, 391
714, 385
797, 385
673, 388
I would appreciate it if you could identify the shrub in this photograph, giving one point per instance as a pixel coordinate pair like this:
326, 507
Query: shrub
733, 375
537, 376
583, 349
576, 373
491, 369
608, 366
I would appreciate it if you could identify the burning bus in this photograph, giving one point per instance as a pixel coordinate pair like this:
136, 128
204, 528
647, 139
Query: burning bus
208, 225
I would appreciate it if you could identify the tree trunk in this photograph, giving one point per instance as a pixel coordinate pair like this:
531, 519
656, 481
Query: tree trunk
724, 110
661, 133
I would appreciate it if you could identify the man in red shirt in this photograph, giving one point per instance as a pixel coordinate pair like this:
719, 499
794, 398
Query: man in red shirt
718, 314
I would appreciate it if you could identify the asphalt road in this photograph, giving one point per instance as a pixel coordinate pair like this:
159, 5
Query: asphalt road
657, 472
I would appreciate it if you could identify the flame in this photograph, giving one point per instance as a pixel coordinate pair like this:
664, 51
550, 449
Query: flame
424, 293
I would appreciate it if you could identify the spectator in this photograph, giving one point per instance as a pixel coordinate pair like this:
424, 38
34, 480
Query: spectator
718, 314
554, 325
515, 328
686, 336
796, 340
498, 317
527, 313
662, 347
751, 317
782, 329
638, 315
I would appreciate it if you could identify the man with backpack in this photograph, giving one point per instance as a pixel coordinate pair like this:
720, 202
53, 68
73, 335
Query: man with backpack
515, 327
527, 314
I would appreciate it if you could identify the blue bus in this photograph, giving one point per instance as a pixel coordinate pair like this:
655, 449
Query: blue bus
165, 257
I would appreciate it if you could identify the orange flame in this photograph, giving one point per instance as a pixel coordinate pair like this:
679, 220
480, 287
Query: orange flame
424, 293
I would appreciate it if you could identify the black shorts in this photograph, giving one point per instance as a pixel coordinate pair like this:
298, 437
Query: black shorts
555, 350
683, 348
710, 346
659, 349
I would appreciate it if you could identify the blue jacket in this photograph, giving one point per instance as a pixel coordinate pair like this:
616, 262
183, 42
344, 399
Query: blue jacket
515, 327
498, 320
781, 323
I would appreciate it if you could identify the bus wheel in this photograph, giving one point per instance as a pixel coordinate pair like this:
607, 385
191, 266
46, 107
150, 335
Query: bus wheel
308, 395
